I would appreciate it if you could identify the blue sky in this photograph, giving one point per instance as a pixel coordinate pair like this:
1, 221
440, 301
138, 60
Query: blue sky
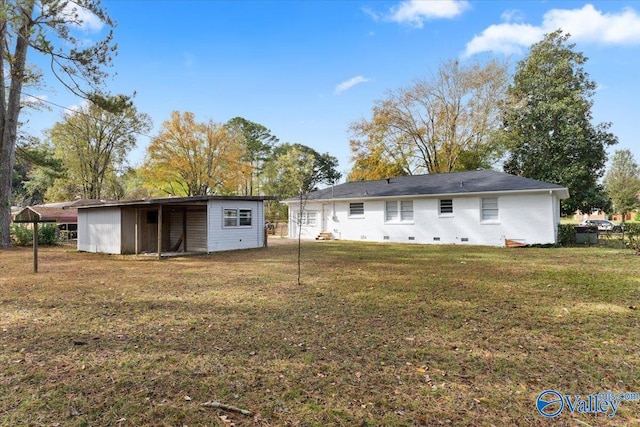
307, 69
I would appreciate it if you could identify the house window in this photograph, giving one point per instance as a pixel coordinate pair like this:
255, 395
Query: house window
490, 209
406, 211
391, 211
356, 209
398, 211
237, 217
446, 206
308, 218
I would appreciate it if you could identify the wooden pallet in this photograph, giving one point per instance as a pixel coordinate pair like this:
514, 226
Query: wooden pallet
514, 243
325, 235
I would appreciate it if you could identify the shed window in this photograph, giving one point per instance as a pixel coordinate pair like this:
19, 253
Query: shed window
446, 206
356, 209
490, 209
237, 217
230, 217
245, 217
152, 217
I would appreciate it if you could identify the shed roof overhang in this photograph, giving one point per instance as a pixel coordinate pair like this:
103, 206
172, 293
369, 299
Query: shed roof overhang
161, 201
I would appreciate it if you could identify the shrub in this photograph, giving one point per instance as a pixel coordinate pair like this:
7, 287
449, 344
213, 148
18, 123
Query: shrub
23, 236
566, 234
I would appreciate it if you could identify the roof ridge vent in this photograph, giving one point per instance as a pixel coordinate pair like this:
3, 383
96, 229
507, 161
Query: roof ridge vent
461, 183
388, 180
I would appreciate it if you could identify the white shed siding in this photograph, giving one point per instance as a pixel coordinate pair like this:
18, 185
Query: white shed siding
222, 238
531, 218
99, 230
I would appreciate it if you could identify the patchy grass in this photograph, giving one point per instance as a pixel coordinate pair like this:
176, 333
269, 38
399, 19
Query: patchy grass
379, 334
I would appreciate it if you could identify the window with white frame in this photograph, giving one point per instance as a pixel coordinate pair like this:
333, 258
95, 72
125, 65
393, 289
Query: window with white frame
398, 211
230, 217
391, 211
356, 209
236, 217
490, 209
245, 217
308, 218
406, 210
446, 207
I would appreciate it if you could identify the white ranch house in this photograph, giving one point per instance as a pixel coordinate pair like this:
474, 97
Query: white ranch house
188, 224
482, 207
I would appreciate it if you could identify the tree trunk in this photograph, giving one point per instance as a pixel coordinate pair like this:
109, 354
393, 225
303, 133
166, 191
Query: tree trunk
10, 122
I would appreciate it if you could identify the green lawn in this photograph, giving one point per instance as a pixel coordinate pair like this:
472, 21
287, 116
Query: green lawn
378, 334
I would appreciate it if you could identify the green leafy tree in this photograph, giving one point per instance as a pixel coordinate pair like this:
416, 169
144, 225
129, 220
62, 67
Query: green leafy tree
442, 123
547, 122
35, 170
258, 142
47, 27
622, 182
93, 143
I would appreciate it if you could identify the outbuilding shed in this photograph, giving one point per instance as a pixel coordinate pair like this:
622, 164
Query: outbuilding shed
172, 224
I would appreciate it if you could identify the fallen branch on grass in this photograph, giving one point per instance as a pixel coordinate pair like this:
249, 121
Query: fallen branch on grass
222, 406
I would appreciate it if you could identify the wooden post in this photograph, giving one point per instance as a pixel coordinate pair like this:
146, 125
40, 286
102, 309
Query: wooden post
136, 237
35, 246
160, 232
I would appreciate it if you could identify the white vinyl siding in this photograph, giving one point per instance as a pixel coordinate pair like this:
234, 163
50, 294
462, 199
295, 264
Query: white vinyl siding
490, 209
223, 237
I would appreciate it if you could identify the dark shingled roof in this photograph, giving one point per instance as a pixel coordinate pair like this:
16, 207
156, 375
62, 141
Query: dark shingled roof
478, 181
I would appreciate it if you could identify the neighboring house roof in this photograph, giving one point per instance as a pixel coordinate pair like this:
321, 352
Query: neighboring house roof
455, 183
167, 201
54, 212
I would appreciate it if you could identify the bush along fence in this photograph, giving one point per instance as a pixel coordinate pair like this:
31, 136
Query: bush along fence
23, 236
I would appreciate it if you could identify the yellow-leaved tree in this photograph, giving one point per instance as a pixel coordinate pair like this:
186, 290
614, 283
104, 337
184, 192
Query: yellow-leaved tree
190, 158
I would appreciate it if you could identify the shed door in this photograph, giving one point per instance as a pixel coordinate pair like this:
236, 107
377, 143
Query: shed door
197, 230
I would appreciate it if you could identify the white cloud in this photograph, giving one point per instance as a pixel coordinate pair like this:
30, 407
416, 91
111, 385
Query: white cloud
512, 15
586, 24
79, 17
415, 12
505, 38
74, 108
346, 85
